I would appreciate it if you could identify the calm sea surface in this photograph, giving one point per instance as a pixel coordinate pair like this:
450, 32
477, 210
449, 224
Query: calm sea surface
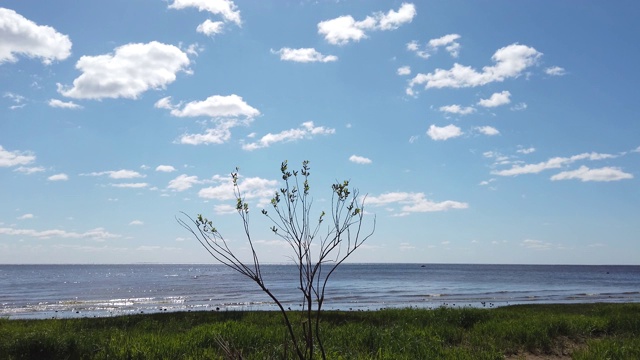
44, 291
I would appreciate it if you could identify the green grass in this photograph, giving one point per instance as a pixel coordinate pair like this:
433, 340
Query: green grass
586, 331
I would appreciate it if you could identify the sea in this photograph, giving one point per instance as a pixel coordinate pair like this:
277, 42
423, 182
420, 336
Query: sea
67, 291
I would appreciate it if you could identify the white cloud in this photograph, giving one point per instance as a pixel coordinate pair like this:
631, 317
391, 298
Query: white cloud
526, 151
16, 98
586, 174
457, 109
29, 170
553, 163
414, 47
394, 19
13, 158
165, 168
130, 185
303, 55
555, 71
449, 42
252, 188
306, 130
225, 8
25, 217
94, 234
510, 62
224, 209
536, 244
136, 222
218, 135
22, 36
519, 106
117, 174
210, 28
496, 99
64, 105
359, 159
131, 70
164, 103
342, 30
183, 182
443, 41
227, 111
216, 106
486, 182
58, 177
414, 202
443, 133
488, 130
404, 70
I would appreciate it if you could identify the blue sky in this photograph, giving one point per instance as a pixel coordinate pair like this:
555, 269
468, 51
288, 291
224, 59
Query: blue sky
482, 132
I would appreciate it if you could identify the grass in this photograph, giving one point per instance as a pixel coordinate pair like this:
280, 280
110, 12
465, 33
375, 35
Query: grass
581, 331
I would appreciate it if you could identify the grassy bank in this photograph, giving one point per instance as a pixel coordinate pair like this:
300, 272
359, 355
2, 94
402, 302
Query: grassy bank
582, 331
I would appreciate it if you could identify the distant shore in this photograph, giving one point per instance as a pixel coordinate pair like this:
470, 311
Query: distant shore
578, 331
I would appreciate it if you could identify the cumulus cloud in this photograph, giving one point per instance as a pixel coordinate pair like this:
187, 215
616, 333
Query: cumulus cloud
225, 8
58, 177
444, 133
444, 41
526, 150
130, 185
448, 42
29, 170
404, 70
226, 111
342, 30
496, 99
394, 19
117, 174
414, 202
18, 100
94, 234
414, 47
303, 55
553, 163
14, 158
25, 217
128, 72
457, 109
136, 222
64, 105
216, 106
183, 182
165, 168
488, 130
555, 71
21, 36
510, 62
306, 131
359, 159
252, 188
219, 134
585, 174
210, 28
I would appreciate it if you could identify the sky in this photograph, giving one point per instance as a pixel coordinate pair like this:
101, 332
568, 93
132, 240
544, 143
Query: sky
501, 132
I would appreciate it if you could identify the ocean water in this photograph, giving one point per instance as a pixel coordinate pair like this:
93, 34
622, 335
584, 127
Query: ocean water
45, 291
